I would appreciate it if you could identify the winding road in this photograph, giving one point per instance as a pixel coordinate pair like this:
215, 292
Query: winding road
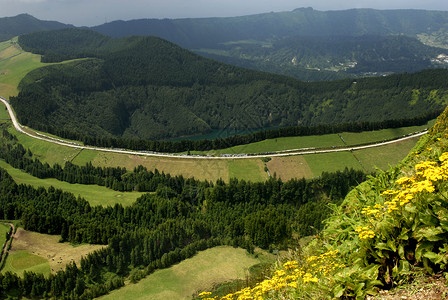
293, 152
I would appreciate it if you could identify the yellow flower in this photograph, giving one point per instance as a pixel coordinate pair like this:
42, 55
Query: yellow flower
402, 181
444, 156
309, 278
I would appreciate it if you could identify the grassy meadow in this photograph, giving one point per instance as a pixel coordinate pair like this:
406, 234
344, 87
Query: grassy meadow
42, 253
94, 194
14, 68
22, 260
4, 229
384, 156
191, 276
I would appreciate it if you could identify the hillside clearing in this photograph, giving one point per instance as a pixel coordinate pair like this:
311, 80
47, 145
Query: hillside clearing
4, 229
196, 274
94, 194
32, 251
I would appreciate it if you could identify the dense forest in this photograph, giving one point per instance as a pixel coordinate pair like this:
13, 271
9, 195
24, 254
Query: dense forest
181, 217
148, 88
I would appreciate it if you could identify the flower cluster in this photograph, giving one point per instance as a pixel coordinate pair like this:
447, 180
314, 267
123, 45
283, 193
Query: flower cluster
365, 232
427, 175
288, 278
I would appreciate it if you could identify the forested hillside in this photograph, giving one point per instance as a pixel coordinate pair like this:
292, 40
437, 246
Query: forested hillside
146, 88
24, 23
180, 217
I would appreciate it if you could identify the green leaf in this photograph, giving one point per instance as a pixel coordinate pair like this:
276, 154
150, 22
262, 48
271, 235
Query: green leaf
391, 245
403, 234
428, 233
431, 256
421, 249
401, 251
428, 219
338, 291
444, 224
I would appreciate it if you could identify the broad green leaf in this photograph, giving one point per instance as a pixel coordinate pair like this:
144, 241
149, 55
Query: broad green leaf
428, 219
431, 256
422, 249
401, 251
338, 291
428, 233
391, 244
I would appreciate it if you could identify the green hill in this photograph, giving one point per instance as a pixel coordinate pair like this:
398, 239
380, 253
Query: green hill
146, 88
24, 23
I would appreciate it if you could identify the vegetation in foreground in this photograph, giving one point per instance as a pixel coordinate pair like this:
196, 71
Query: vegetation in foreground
388, 231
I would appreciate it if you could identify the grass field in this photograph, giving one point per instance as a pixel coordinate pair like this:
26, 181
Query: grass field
353, 138
289, 167
4, 113
247, 169
383, 156
22, 260
4, 228
94, 194
284, 143
12, 70
46, 151
331, 162
196, 274
319, 141
42, 253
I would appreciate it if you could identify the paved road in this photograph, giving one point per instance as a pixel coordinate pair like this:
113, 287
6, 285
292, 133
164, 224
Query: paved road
182, 156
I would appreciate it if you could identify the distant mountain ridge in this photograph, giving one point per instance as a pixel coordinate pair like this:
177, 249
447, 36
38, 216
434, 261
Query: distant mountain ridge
207, 32
305, 43
290, 43
24, 23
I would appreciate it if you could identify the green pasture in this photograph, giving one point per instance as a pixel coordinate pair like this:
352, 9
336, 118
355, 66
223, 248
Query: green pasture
4, 229
247, 169
14, 65
45, 151
23, 260
331, 162
356, 138
13, 69
94, 194
384, 156
284, 143
191, 276
4, 115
